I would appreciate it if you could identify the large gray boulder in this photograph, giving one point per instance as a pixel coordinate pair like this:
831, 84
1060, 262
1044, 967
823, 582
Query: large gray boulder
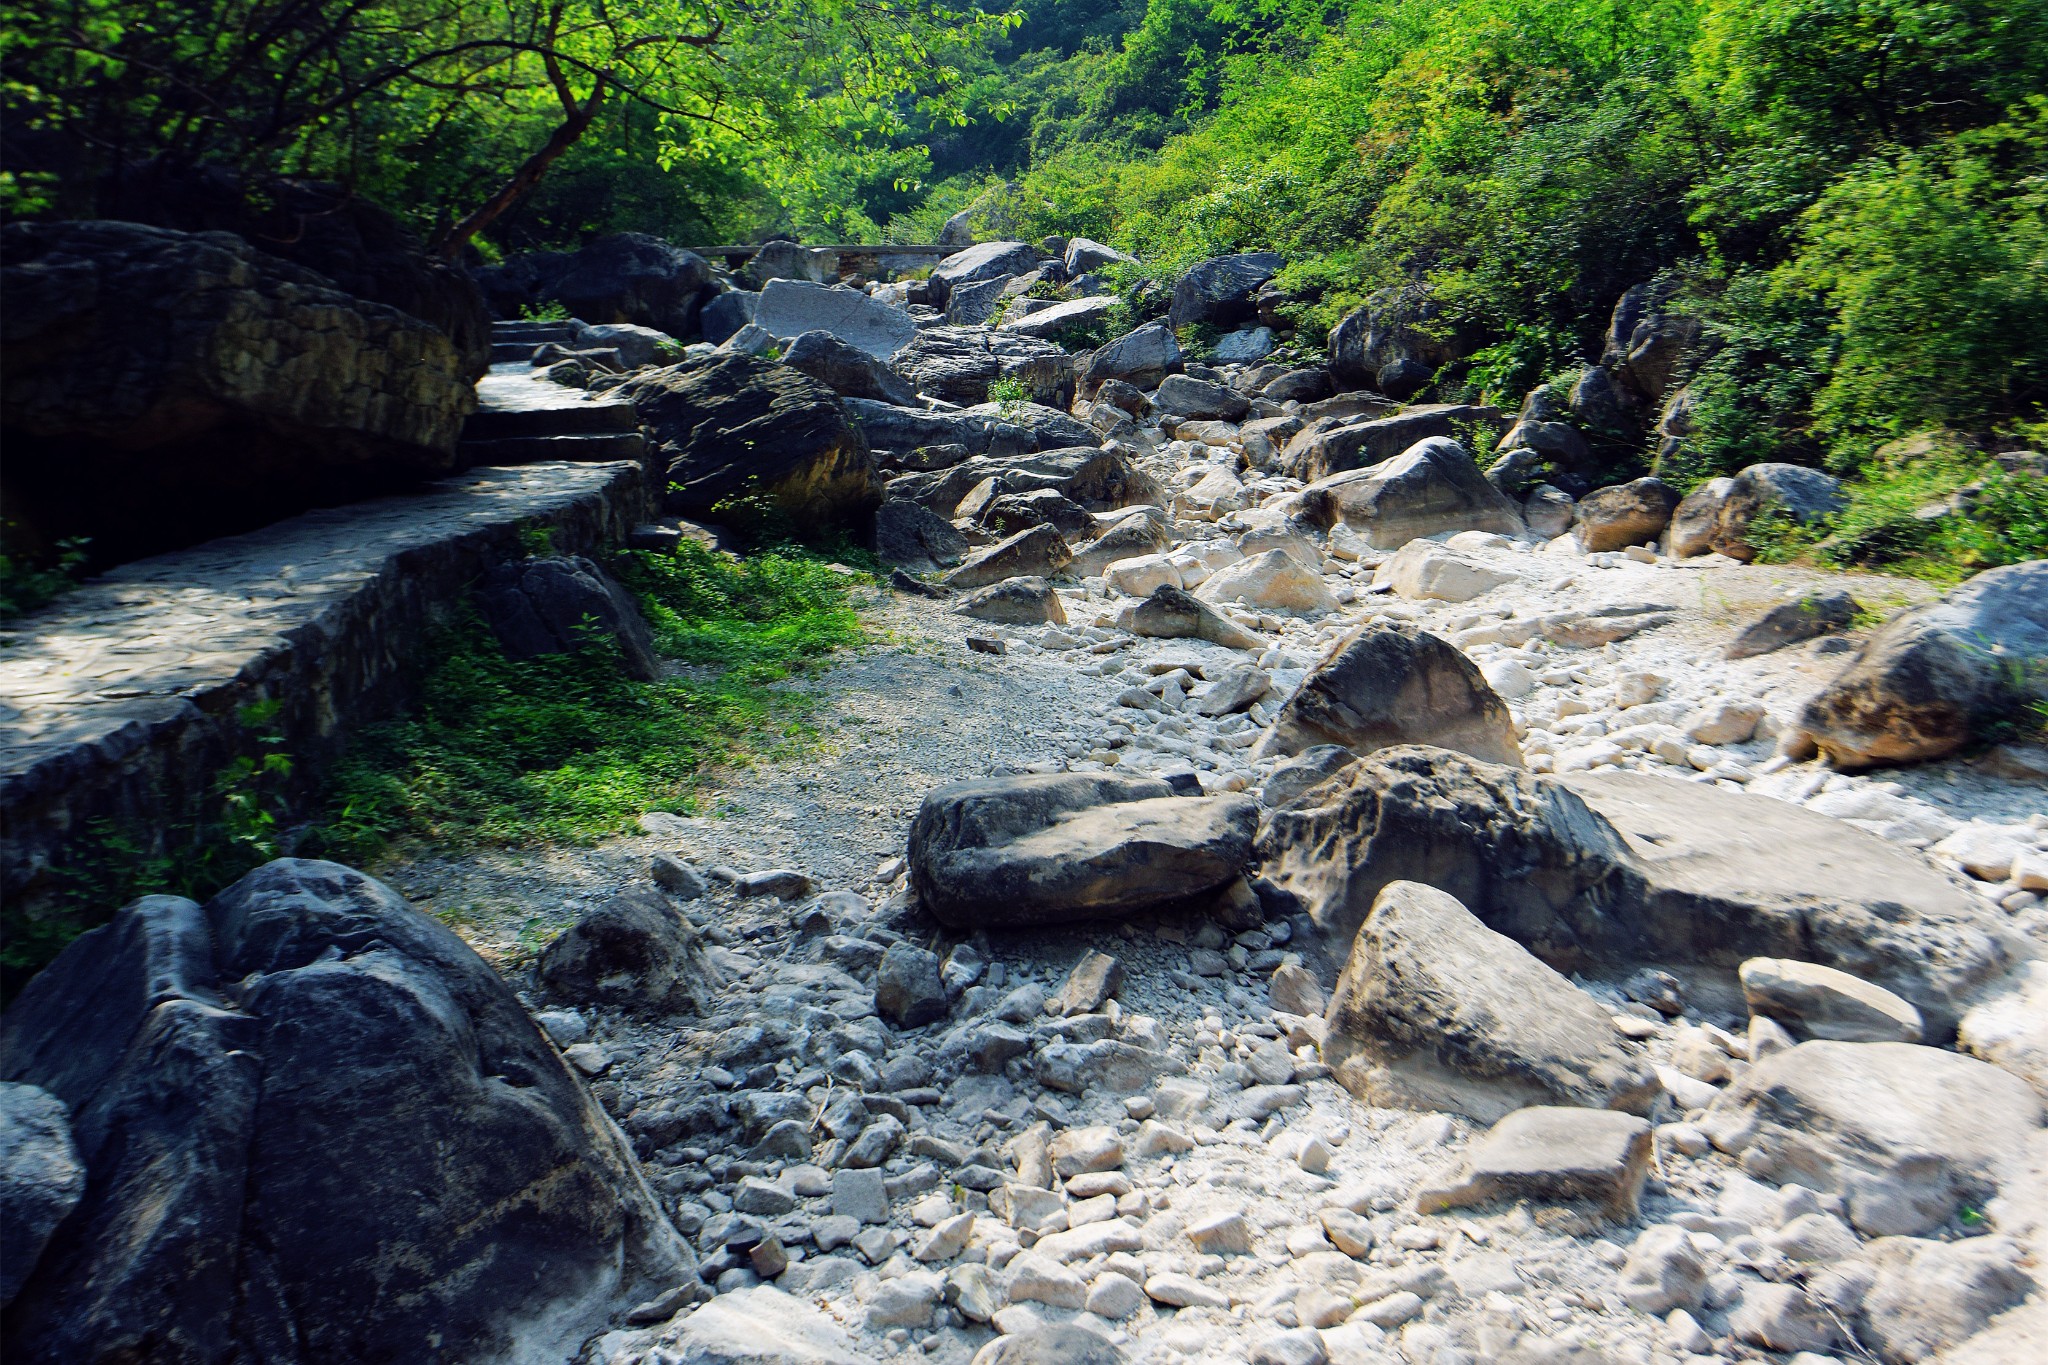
846, 369
1436, 1011
789, 308
910, 535
1431, 487
1906, 1134
1173, 614
1607, 872
311, 1115
1015, 852
163, 387
1141, 357
789, 261
1936, 677
1098, 479
740, 426
550, 606
1036, 552
1325, 448
41, 1179
1218, 292
1181, 395
1083, 256
1382, 686
987, 261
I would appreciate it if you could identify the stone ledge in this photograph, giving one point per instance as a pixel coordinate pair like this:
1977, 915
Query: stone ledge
119, 701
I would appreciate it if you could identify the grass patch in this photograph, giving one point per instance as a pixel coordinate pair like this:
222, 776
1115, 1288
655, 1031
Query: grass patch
566, 748
563, 748
2001, 518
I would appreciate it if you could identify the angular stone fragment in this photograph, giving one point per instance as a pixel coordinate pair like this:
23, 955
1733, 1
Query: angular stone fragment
1663, 1271
41, 1179
1171, 614
1274, 581
634, 949
1820, 1002
1037, 552
1931, 1295
1094, 979
1791, 622
1436, 1011
1053, 1344
1382, 686
1556, 1155
908, 990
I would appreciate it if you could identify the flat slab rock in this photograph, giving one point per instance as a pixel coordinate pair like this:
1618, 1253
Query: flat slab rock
1905, 1133
1060, 847
1552, 1153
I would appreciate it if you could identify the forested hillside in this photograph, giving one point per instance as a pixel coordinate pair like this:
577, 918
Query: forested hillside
1842, 201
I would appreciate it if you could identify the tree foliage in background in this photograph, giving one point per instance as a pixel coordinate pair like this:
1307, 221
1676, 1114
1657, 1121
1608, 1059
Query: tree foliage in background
455, 110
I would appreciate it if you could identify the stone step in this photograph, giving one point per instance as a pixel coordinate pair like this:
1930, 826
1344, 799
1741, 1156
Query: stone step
533, 333
504, 351
581, 447
571, 419
118, 701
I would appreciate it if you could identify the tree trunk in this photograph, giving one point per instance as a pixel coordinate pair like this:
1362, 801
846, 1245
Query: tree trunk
450, 243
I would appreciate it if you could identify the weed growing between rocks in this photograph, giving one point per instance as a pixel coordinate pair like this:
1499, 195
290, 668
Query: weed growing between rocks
566, 747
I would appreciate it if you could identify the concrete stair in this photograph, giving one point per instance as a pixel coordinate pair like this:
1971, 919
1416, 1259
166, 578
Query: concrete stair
523, 419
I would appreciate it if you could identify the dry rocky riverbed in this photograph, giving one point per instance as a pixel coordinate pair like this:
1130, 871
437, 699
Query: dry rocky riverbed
1129, 1129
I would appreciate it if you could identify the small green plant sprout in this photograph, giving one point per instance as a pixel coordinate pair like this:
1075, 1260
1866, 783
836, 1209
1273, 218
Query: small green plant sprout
537, 541
543, 312
1010, 397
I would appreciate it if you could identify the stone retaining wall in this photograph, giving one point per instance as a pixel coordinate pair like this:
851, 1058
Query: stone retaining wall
120, 702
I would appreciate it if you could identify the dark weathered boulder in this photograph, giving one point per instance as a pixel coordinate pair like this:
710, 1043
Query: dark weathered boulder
903, 430
1382, 686
1049, 428
781, 260
1300, 386
357, 246
1322, 450
1936, 677
1624, 514
740, 426
1181, 395
976, 302
1431, 487
1022, 601
1060, 847
1789, 623
546, 606
846, 369
1141, 358
1013, 512
632, 277
1396, 325
163, 387
1098, 479
1436, 1011
724, 314
1607, 871
913, 536
636, 950
41, 1180
318, 1127
1218, 292
1648, 345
